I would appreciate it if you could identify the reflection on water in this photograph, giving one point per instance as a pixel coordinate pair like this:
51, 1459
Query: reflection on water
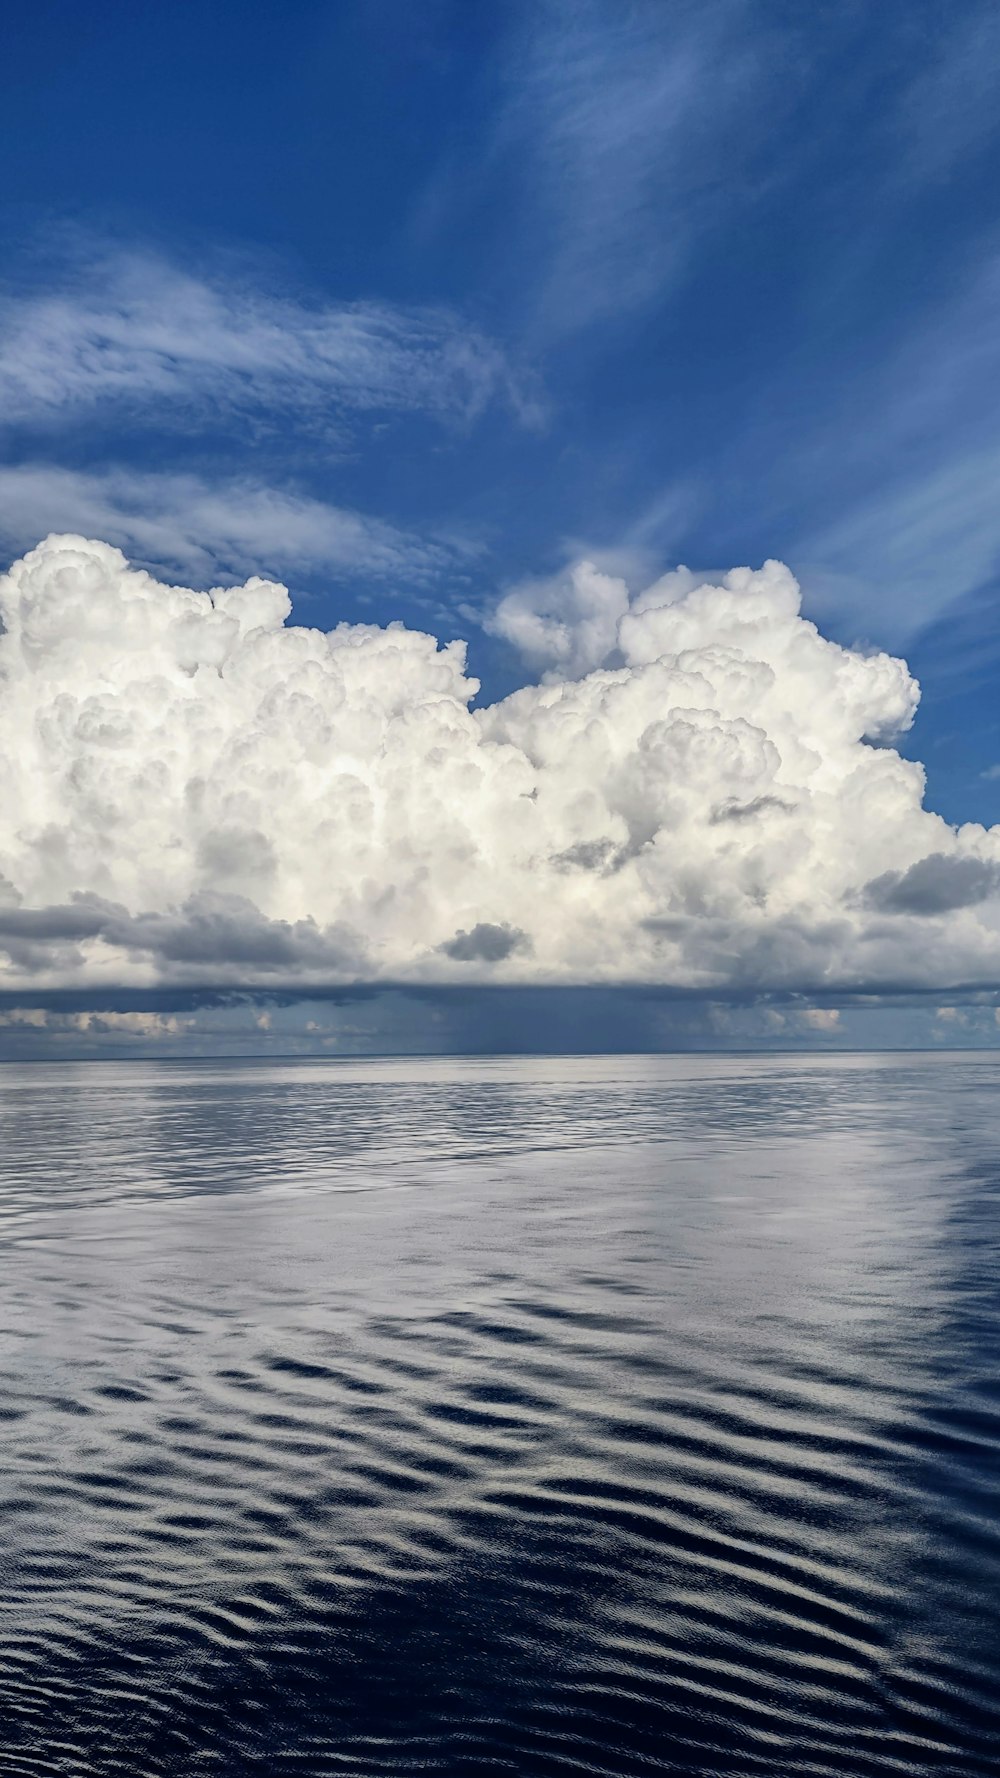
605, 1416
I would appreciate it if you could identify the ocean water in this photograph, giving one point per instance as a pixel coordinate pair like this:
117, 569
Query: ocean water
608, 1416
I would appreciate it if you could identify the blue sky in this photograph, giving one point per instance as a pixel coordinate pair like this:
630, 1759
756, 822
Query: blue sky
408, 304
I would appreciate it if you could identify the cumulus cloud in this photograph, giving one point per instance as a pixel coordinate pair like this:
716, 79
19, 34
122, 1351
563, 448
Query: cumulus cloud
567, 624
135, 332
702, 795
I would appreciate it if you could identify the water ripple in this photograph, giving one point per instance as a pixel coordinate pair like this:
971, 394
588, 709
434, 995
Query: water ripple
605, 1417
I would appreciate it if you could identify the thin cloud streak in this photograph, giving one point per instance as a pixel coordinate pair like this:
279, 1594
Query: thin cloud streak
621, 160
948, 112
133, 332
900, 560
908, 457
211, 531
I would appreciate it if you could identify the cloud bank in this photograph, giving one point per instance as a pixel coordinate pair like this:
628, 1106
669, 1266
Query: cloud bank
699, 793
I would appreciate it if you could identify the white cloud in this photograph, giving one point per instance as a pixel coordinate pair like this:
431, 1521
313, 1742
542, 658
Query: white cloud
199, 795
134, 331
209, 531
567, 624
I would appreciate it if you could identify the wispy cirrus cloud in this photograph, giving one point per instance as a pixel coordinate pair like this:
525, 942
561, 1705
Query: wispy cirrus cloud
948, 111
212, 530
132, 332
645, 141
895, 562
623, 163
107, 349
910, 459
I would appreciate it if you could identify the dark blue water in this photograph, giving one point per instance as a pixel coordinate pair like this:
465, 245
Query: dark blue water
519, 1417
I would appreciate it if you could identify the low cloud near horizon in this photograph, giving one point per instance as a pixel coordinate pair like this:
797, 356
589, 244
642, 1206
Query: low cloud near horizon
699, 792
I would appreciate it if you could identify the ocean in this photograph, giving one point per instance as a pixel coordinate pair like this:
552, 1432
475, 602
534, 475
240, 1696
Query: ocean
599, 1416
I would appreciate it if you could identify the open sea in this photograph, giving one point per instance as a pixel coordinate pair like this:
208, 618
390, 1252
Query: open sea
607, 1416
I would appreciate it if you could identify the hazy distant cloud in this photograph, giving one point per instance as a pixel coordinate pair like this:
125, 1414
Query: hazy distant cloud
133, 1023
133, 332
824, 1019
130, 1024
796, 1020
209, 530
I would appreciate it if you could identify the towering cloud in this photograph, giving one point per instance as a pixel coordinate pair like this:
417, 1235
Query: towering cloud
197, 793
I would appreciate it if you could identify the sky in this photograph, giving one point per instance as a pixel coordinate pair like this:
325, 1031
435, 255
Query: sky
481, 321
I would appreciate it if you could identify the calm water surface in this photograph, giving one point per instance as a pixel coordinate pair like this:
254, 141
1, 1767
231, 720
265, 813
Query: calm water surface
615, 1416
